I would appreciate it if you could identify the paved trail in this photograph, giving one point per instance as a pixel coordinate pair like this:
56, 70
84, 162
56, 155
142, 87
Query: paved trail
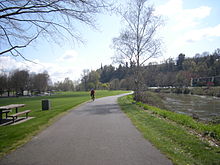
96, 133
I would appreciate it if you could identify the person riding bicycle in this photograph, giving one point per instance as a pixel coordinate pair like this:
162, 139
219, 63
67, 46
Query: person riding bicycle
92, 93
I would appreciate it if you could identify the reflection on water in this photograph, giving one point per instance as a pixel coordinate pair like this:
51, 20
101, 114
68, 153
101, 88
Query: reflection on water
205, 107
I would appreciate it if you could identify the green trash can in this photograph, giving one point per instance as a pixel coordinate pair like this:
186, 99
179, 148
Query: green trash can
45, 105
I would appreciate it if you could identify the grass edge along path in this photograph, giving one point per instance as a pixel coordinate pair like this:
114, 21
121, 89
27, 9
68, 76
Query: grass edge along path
14, 136
171, 139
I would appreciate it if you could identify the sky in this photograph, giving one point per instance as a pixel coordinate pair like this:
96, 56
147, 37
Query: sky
190, 27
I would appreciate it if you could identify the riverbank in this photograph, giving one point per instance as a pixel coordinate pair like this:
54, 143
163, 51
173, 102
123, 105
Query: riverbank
204, 91
203, 108
182, 139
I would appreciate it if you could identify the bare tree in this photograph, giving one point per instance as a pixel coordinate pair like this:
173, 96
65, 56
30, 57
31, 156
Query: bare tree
23, 21
3, 83
137, 42
40, 82
19, 80
85, 78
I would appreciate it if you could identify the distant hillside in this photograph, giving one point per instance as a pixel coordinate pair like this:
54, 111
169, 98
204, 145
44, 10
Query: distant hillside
168, 73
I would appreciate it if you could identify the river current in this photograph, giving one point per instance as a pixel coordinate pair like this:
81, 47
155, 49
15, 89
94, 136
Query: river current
204, 107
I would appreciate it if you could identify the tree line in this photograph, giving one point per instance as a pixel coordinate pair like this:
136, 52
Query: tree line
23, 82
18, 81
171, 72
180, 72
107, 78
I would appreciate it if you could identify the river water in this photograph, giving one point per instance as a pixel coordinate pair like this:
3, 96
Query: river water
204, 107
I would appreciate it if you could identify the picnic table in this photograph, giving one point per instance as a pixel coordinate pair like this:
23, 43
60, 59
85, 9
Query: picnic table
8, 108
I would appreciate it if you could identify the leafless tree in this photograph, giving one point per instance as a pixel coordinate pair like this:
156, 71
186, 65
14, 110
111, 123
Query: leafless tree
114, 84
23, 21
3, 83
137, 42
66, 85
85, 78
19, 81
39, 82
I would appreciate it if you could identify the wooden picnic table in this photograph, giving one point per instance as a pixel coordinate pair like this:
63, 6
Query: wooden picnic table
9, 107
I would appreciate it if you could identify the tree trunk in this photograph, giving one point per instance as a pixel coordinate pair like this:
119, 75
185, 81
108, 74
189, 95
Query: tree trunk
138, 83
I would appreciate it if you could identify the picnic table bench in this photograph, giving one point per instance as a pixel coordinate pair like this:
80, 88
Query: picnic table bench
8, 108
15, 116
6, 112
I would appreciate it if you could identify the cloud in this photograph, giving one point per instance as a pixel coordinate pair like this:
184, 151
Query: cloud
6, 61
69, 56
9, 63
184, 26
200, 34
190, 18
56, 71
180, 18
170, 8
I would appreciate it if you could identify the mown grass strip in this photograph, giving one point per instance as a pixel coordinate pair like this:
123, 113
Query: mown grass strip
13, 136
172, 139
212, 130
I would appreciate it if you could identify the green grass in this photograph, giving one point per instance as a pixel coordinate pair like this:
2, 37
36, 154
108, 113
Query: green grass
13, 136
171, 138
212, 130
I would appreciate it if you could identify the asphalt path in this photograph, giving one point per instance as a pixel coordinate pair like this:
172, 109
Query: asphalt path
95, 133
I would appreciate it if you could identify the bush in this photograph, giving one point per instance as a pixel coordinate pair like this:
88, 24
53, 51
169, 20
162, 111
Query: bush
177, 90
208, 91
153, 99
186, 91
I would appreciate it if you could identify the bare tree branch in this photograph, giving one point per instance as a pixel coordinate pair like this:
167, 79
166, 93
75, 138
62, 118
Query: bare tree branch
140, 31
23, 21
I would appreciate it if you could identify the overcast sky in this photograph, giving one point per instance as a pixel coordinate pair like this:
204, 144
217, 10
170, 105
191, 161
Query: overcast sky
190, 27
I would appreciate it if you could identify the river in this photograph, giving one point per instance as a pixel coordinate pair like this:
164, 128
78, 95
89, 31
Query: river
204, 107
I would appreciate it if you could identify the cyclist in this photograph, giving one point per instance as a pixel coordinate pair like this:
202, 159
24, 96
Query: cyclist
92, 94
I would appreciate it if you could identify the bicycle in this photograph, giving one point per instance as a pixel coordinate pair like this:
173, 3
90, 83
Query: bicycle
92, 94
93, 97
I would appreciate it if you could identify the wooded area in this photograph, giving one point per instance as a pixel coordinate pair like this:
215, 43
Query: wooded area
175, 73
19, 81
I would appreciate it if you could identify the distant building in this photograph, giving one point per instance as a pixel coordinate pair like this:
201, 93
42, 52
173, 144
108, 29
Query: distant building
205, 81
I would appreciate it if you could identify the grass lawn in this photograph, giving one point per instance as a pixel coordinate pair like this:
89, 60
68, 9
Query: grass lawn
13, 136
170, 137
